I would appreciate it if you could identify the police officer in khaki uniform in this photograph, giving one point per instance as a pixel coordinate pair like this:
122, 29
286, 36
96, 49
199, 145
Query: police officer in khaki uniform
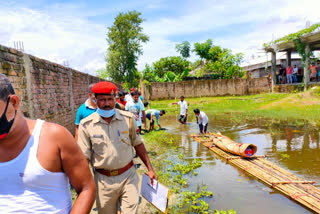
108, 139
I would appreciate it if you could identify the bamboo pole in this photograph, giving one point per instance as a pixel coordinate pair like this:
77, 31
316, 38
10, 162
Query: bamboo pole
247, 158
293, 182
271, 174
289, 190
307, 188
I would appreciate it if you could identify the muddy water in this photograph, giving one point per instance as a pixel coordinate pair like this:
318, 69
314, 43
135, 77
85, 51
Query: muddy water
293, 148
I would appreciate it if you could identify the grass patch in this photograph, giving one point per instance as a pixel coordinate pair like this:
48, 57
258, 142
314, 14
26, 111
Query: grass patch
298, 108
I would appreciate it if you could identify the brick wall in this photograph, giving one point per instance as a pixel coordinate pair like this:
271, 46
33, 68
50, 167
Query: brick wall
197, 88
11, 64
47, 90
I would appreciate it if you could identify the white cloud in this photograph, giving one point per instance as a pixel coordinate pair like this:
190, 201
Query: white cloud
57, 38
155, 49
61, 32
271, 19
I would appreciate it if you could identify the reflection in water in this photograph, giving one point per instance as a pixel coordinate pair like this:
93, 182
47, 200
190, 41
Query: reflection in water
314, 135
306, 141
234, 188
274, 143
289, 136
184, 142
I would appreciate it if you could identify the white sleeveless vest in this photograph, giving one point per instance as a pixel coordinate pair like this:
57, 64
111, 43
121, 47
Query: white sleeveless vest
26, 187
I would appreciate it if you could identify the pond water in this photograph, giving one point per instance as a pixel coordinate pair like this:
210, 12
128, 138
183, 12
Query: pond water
292, 148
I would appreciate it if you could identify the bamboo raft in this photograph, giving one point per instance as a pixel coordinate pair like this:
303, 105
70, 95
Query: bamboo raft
272, 175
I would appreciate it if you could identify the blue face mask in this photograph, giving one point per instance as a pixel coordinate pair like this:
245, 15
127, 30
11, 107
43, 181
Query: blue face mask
105, 113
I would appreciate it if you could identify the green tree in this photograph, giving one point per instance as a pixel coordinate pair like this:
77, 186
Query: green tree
125, 40
175, 64
223, 64
216, 52
149, 74
184, 49
102, 73
202, 49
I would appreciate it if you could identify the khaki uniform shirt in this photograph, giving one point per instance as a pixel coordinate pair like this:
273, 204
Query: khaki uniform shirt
109, 145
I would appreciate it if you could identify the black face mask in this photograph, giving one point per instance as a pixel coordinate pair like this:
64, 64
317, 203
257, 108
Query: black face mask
5, 125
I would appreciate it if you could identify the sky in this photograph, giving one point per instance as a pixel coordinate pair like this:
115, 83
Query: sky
75, 30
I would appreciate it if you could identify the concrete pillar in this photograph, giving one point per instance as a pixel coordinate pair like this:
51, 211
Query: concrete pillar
288, 58
273, 68
144, 90
306, 73
27, 67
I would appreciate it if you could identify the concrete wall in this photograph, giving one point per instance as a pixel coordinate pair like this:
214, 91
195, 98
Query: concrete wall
197, 88
47, 90
289, 88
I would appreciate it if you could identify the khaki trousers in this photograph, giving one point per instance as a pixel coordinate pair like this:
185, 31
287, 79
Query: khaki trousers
121, 188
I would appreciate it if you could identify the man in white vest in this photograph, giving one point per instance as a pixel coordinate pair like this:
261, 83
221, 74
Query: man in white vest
37, 161
183, 110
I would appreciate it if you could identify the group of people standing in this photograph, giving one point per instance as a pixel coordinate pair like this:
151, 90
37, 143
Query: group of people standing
290, 74
132, 102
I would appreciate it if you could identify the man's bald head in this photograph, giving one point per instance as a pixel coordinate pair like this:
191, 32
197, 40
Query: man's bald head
6, 88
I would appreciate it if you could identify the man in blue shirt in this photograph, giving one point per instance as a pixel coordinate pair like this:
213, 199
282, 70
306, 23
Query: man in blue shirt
151, 113
136, 107
86, 109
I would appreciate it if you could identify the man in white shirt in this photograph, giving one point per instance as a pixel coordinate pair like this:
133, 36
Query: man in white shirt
202, 120
183, 110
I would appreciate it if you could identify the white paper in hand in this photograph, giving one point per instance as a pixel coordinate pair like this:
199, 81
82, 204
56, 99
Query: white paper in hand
156, 194
155, 184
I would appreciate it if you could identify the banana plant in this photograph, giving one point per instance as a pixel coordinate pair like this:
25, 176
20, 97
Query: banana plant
169, 76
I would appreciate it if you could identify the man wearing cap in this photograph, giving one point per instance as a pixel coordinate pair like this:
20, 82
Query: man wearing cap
108, 139
183, 110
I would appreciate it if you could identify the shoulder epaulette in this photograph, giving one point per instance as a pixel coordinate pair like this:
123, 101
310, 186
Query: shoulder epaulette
87, 119
125, 113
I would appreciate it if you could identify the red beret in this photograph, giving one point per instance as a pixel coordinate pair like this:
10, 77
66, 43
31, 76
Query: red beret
104, 88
